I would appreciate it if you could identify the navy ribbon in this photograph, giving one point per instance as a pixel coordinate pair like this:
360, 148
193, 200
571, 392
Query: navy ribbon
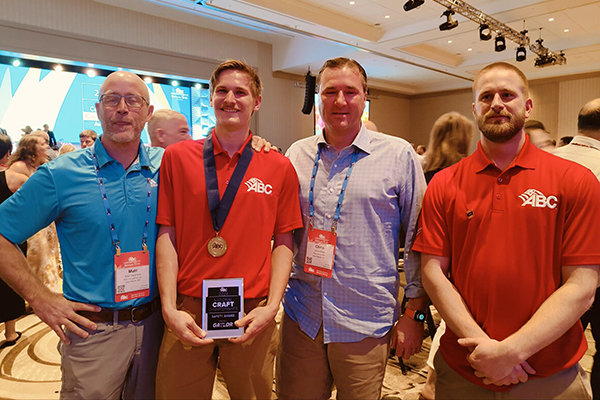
219, 208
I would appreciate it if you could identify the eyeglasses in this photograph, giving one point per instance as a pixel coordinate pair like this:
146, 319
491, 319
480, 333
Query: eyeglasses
132, 100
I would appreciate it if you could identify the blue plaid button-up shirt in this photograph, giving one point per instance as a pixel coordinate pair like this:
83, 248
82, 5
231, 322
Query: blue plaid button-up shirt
383, 197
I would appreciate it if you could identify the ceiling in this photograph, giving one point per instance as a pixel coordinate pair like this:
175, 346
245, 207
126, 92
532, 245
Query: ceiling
404, 52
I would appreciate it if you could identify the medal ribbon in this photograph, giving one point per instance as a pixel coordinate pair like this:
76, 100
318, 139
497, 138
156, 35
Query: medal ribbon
113, 231
219, 208
311, 208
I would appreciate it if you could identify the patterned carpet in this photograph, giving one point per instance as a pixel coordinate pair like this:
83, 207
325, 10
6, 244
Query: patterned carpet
31, 368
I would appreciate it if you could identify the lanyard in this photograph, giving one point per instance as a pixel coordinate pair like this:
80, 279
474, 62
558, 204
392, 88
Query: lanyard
219, 208
311, 208
113, 231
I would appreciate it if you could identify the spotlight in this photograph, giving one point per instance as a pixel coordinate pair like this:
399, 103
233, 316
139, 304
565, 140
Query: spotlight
16, 63
450, 23
485, 32
412, 4
521, 54
500, 44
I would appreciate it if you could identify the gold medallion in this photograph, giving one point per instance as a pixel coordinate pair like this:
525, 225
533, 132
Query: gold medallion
217, 246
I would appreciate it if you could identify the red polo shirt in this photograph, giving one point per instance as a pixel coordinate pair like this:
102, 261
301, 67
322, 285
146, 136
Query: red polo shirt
507, 235
266, 203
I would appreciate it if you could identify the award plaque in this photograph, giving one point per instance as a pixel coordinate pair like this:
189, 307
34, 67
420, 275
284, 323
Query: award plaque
222, 305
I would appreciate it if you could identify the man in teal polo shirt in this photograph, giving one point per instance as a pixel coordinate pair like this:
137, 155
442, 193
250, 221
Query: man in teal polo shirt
103, 200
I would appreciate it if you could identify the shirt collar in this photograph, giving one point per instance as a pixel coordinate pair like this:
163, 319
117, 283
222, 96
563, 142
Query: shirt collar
104, 158
585, 141
526, 159
362, 141
217, 149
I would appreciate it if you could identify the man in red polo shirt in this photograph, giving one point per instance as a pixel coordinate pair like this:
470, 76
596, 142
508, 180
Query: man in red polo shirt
202, 237
510, 248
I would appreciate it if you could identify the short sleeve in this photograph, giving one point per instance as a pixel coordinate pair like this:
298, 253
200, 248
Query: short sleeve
33, 207
165, 214
432, 233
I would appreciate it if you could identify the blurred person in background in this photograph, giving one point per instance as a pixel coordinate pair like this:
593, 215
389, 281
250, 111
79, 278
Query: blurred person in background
66, 148
12, 305
448, 143
87, 138
167, 127
32, 151
51, 137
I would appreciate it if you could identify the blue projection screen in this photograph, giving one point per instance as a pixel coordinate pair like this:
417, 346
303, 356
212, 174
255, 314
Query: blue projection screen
66, 101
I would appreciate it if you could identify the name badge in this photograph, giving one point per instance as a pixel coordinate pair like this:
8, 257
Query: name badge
320, 253
132, 275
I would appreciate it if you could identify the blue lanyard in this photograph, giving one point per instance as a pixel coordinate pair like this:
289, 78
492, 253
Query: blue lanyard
311, 208
113, 231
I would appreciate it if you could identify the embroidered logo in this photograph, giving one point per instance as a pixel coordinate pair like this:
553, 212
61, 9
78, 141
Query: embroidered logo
256, 185
535, 198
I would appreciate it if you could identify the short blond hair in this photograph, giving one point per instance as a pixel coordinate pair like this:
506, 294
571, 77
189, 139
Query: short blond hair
237, 65
506, 67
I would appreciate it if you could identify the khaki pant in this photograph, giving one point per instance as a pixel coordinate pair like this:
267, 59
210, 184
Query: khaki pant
188, 372
572, 383
307, 368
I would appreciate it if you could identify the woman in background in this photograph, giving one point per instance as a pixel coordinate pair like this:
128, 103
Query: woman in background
12, 306
449, 142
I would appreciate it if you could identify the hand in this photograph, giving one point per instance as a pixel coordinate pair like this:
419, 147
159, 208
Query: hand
258, 143
492, 361
520, 373
186, 329
255, 322
56, 311
407, 337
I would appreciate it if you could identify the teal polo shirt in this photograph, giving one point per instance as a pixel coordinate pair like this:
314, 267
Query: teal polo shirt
66, 191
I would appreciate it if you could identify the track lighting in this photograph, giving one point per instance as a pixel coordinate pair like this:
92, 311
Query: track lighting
521, 54
500, 44
450, 23
412, 4
485, 33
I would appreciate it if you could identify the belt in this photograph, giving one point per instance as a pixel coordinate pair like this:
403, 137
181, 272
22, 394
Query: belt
133, 314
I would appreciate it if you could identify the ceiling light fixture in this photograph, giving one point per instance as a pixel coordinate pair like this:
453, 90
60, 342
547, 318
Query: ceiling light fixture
450, 23
500, 43
550, 19
521, 54
485, 33
412, 4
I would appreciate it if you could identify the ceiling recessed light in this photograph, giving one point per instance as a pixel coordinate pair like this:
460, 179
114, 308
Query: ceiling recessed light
469, 49
58, 68
550, 19
148, 79
352, 3
566, 30
449, 41
387, 16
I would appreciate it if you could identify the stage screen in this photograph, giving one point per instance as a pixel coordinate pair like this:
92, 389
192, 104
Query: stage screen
66, 102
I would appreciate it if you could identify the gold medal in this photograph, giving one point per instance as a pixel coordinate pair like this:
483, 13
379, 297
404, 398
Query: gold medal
217, 246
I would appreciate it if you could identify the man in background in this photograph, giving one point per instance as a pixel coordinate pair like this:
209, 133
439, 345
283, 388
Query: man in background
87, 138
584, 149
167, 127
51, 137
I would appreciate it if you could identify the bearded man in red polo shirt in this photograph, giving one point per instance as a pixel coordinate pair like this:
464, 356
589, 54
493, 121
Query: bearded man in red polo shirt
510, 243
219, 206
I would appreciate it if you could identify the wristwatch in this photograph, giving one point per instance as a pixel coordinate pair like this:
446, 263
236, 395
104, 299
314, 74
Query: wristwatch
417, 315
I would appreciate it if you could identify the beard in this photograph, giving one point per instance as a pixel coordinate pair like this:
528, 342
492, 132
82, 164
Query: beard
503, 132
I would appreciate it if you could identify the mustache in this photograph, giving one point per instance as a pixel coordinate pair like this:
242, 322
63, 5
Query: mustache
502, 113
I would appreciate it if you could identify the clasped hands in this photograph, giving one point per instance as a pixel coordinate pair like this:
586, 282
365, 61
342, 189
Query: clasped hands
494, 362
